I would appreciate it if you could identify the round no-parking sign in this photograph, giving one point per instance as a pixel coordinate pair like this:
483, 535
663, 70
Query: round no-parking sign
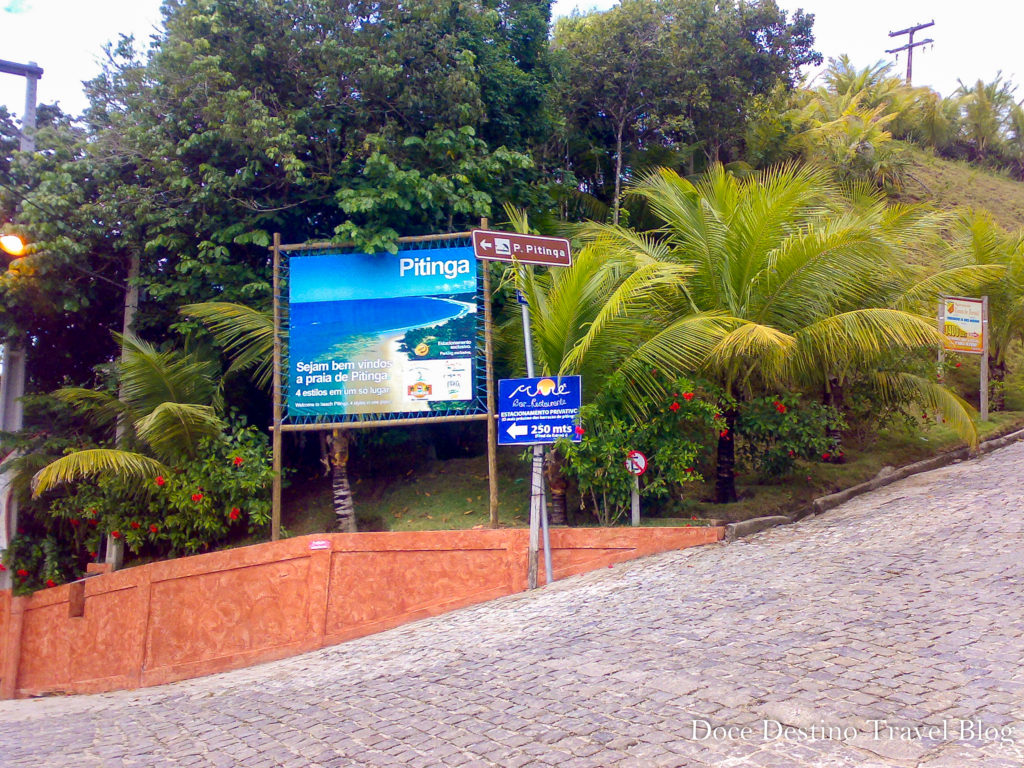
636, 463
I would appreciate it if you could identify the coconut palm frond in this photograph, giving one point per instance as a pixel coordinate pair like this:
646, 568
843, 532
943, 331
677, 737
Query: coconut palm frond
518, 218
101, 408
175, 429
832, 343
956, 281
636, 296
244, 333
751, 346
901, 387
150, 377
681, 349
93, 463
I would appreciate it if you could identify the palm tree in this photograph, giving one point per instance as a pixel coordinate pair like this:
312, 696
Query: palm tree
247, 336
168, 402
580, 324
787, 284
987, 108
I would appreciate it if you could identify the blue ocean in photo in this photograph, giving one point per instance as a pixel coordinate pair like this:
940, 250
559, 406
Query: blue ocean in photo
318, 328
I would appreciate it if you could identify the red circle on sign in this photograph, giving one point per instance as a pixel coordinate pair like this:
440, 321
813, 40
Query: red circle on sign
636, 463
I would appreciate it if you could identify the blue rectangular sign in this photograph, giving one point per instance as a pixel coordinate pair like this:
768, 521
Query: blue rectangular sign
539, 410
382, 333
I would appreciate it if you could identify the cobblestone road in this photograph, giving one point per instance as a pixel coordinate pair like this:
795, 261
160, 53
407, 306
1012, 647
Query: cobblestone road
888, 632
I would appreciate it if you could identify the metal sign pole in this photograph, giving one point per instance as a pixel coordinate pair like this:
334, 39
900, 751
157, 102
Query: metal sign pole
538, 509
634, 502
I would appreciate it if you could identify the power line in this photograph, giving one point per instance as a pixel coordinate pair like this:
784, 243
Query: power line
911, 45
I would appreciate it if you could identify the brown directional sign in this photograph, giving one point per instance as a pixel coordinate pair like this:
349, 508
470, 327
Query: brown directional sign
522, 249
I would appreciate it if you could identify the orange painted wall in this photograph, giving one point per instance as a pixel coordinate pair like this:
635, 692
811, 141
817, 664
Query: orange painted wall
198, 615
5, 612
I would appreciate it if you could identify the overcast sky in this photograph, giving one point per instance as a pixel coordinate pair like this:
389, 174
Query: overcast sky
973, 38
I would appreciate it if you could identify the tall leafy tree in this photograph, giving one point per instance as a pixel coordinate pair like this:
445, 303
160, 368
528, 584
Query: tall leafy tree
785, 288
358, 121
653, 74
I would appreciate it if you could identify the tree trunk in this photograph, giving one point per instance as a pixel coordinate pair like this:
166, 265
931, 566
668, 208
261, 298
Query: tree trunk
618, 173
996, 384
341, 493
114, 552
558, 483
834, 397
725, 468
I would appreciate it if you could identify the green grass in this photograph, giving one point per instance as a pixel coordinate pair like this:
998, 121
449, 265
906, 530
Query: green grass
452, 494
893, 447
437, 495
949, 184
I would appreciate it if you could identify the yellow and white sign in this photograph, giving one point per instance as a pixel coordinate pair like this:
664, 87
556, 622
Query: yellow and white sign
962, 324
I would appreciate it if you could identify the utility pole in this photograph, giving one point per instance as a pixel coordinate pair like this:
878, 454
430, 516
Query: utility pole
911, 45
12, 382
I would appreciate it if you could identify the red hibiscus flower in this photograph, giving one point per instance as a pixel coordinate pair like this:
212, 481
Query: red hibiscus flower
93, 554
957, 365
197, 497
159, 480
22, 572
687, 396
674, 407
580, 431
116, 534
724, 433
826, 456
235, 512
154, 528
2, 567
51, 583
238, 461
135, 525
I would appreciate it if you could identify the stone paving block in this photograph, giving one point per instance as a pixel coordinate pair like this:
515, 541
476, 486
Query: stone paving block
901, 605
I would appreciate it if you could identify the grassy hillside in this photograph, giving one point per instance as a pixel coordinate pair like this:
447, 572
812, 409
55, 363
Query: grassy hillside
956, 184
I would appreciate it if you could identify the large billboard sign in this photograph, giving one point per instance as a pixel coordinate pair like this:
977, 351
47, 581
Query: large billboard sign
962, 324
378, 334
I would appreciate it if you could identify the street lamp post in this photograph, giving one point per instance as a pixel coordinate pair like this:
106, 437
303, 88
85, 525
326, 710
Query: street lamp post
12, 383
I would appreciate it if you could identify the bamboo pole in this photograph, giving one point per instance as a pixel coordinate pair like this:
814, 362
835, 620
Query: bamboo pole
275, 519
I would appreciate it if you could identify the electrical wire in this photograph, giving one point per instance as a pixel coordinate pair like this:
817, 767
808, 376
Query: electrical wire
56, 218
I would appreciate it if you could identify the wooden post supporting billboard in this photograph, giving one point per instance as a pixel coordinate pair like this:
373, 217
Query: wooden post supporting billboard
275, 504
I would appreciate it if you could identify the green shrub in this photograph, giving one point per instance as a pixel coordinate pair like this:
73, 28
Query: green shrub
671, 434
